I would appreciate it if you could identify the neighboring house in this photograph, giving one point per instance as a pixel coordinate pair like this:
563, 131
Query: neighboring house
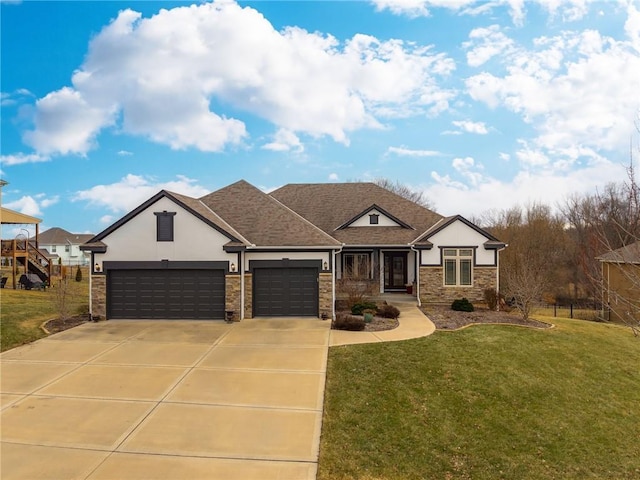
241, 250
621, 284
64, 247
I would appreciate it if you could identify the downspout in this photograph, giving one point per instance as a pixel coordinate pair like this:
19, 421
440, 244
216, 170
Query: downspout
498, 276
417, 261
90, 285
333, 281
241, 266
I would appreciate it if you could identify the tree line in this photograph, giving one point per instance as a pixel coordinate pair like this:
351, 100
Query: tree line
553, 253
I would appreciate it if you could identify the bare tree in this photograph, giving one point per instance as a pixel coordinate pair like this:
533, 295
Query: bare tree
404, 191
536, 247
600, 225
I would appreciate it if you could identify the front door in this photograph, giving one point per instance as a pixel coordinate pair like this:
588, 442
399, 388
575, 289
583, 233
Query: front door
395, 270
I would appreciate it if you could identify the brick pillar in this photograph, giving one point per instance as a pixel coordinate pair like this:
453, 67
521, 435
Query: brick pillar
232, 295
325, 293
99, 296
248, 295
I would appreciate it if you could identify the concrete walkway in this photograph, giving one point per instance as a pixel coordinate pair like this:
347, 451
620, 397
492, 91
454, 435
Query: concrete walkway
413, 324
134, 400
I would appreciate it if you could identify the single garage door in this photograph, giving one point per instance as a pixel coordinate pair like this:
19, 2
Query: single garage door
166, 293
285, 292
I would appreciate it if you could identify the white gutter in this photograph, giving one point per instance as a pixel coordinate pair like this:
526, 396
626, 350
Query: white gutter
417, 274
292, 247
241, 266
333, 281
498, 275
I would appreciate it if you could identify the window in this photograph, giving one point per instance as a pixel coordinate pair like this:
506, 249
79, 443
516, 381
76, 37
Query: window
53, 249
164, 226
458, 266
373, 219
67, 248
356, 266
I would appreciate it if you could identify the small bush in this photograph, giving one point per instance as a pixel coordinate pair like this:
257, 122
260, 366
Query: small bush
462, 305
78, 274
344, 321
491, 298
388, 311
360, 307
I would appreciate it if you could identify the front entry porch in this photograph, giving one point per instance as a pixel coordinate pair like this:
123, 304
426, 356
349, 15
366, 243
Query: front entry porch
383, 270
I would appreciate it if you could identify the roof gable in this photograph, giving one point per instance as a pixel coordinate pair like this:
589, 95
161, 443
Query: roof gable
374, 209
189, 204
445, 223
334, 205
263, 220
60, 236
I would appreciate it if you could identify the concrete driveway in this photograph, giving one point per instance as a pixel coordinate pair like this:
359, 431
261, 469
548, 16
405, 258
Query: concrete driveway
166, 400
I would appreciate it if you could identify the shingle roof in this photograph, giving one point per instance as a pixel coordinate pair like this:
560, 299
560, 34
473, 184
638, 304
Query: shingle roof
59, 236
330, 205
626, 254
262, 219
204, 211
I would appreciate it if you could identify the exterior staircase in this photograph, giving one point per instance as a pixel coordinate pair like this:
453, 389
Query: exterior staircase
28, 256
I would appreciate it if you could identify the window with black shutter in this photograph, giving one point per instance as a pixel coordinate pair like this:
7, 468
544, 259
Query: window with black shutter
164, 226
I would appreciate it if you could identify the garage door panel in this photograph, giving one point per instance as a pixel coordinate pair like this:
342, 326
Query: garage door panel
285, 291
166, 293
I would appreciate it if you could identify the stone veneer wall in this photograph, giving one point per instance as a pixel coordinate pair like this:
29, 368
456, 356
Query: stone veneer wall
325, 294
248, 295
99, 296
432, 289
232, 295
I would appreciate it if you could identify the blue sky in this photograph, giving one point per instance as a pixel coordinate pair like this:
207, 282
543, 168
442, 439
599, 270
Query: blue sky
480, 104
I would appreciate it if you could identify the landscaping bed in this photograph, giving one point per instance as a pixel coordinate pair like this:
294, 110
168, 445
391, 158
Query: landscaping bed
446, 319
58, 324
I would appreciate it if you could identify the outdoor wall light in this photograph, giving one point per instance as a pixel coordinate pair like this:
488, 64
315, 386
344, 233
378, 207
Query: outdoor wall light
97, 267
325, 266
233, 267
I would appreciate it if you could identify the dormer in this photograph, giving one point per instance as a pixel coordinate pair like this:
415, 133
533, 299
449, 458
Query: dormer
374, 216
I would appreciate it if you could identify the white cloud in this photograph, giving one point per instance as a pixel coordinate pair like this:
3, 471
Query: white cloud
333, 177
418, 8
471, 127
489, 193
65, 122
32, 204
486, 43
163, 75
566, 10
125, 153
504, 156
407, 152
107, 219
284, 141
565, 88
20, 158
132, 190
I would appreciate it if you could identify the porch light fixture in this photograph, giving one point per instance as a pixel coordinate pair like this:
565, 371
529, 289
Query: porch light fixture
233, 267
97, 267
325, 265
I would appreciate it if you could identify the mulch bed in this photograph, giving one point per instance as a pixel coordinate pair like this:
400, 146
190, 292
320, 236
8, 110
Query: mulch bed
446, 319
58, 324
379, 324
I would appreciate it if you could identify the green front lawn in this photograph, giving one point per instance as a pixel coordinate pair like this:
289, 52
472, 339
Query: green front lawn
23, 311
486, 402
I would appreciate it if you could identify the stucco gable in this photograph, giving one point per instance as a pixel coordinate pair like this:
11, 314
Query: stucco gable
385, 219
460, 228
188, 204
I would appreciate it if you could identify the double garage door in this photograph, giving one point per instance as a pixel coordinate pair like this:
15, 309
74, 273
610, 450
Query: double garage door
166, 294
200, 294
285, 292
